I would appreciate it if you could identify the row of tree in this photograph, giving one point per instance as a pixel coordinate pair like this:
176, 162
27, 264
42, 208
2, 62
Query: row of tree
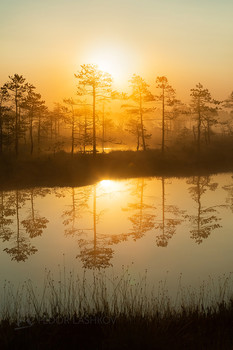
89, 120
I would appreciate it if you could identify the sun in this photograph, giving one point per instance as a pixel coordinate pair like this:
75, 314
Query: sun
113, 60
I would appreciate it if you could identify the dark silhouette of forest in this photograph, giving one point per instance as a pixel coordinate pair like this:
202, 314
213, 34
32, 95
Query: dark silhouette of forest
107, 132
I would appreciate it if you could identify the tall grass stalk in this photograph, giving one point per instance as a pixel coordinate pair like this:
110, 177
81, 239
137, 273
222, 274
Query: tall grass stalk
82, 295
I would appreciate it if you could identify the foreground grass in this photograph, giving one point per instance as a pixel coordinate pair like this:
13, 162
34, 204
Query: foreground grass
81, 169
103, 313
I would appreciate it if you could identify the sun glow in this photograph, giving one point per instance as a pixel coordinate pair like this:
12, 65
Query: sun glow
109, 186
113, 61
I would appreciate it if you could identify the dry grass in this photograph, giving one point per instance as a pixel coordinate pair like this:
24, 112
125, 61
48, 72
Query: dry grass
102, 313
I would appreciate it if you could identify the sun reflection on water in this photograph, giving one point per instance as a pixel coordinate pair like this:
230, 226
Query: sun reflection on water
109, 186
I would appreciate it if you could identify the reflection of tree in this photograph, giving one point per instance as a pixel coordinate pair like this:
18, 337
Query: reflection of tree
229, 199
74, 211
142, 220
11, 225
167, 225
205, 221
94, 253
21, 247
6, 212
35, 224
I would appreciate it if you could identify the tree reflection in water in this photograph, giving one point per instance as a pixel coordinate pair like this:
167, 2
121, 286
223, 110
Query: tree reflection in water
17, 231
205, 221
229, 199
74, 212
20, 221
35, 224
167, 225
6, 213
142, 219
94, 250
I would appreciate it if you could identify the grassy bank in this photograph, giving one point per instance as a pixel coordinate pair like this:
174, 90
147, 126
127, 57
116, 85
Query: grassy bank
72, 313
64, 170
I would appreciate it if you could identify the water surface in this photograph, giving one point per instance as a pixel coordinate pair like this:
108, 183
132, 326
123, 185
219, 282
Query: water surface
166, 226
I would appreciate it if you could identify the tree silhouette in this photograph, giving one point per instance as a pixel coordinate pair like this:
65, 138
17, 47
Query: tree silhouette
41, 125
106, 124
16, 88
167, 97
71, 120
4, 96
96, 83
228, 103
201, 107
33, 104
140, 94
206, 220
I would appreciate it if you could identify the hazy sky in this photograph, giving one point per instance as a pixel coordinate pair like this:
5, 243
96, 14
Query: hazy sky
189, 41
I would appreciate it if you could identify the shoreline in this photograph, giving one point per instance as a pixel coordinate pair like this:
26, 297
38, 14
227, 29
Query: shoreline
62, 170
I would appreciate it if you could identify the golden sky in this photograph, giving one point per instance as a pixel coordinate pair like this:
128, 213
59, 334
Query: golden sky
189, 41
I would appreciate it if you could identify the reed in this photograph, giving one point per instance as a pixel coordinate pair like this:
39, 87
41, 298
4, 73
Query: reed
115, 310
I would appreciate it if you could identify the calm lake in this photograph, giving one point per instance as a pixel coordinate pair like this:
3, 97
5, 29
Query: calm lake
166, 226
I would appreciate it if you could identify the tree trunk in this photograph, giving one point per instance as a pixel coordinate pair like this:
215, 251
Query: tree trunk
208, 131
138, 138
85, 134
142, 127
31, 133
94, 131
38, 133
16, 124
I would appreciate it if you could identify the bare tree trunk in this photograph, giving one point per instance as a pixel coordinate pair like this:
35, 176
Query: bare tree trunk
85, 134
194, 134
94, 131
16, 125
39, 134
138, 138
208, 131
142, 126
31, 134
